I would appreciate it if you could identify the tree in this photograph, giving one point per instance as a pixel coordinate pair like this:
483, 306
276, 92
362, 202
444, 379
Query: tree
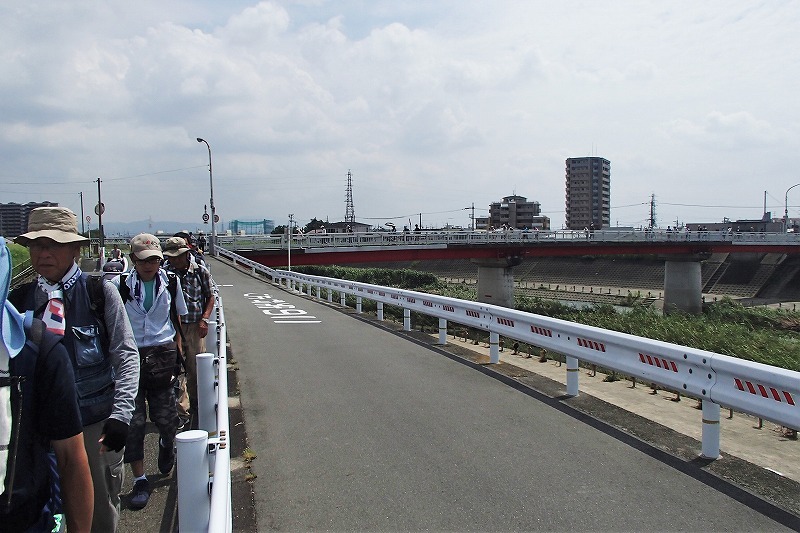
313, 225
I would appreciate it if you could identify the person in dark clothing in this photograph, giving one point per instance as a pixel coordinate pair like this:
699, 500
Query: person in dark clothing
38, 410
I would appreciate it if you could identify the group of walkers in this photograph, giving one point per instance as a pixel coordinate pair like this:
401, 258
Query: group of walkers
83, 360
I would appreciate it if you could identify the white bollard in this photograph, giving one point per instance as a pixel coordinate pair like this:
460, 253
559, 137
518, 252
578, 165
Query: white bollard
572, 376
358, 304
710, 448
330, 295
442, 331
406, 319
207, 393
494, 347
342, 300
194, 501
319, 292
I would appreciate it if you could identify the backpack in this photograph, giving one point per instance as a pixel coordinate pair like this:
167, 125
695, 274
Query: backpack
36, 340
125, 293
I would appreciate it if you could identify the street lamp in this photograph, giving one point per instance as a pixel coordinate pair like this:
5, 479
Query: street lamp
213, 210
786, 207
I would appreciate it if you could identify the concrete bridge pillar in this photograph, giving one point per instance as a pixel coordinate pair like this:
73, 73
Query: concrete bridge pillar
496, 280
683, 289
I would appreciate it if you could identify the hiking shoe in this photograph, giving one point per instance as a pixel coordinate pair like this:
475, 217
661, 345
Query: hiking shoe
183, 422
140, 494
166, 458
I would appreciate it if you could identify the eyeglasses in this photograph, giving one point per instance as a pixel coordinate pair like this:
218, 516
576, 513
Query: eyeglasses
154, 260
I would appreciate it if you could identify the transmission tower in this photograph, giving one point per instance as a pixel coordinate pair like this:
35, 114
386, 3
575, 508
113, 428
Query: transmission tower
652, 211
349, 212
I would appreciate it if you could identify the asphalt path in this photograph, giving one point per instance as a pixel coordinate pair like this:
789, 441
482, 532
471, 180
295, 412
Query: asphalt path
357, 428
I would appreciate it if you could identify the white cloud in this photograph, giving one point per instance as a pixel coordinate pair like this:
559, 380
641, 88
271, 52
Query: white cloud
432, 105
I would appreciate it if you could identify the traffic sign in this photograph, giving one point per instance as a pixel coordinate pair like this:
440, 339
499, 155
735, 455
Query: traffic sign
216, 219
88, 218
100, 208
205, 217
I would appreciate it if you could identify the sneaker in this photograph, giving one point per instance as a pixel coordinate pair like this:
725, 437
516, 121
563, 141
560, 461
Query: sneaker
166, 458
183, 422
140, 494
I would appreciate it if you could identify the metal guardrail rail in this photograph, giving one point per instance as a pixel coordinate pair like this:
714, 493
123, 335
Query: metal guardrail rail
204, 462
761, 390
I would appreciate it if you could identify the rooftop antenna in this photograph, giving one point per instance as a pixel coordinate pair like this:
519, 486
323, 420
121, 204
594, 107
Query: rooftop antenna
349, 211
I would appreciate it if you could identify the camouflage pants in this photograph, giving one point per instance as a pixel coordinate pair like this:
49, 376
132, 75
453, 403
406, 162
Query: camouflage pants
163, 414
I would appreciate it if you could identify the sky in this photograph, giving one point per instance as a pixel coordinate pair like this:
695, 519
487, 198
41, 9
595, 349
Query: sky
431, 106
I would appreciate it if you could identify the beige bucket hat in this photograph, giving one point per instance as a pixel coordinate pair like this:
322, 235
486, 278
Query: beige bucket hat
175, 246
57, 223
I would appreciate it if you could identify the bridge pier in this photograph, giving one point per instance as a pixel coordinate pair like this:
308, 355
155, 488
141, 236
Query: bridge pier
683, 289
496, 280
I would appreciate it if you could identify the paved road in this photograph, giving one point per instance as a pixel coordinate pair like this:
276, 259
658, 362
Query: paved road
356, 428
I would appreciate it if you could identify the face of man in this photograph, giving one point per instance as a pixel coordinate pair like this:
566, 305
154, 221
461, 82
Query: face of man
180, 262
52, 259
146, 268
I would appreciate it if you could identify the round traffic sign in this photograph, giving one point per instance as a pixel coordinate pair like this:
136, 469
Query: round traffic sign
216, 219
88, 218
205, 217
100, 208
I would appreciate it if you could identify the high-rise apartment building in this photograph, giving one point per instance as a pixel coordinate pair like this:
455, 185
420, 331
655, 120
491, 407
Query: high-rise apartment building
588, 193
14, 217
514, 212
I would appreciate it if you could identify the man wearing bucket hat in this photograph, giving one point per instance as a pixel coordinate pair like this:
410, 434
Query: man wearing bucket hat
196, 285
91, 318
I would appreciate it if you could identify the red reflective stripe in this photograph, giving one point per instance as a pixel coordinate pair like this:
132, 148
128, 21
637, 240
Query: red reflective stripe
738, 384
789, 399
750, 387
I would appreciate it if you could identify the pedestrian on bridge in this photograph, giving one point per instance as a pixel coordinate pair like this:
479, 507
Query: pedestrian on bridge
196, 284
154, 304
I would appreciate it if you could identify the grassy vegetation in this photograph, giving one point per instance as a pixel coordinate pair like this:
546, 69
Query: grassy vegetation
20, 258
765, 335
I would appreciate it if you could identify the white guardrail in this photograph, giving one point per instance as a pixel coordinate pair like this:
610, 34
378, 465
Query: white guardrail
204, 462
761, 390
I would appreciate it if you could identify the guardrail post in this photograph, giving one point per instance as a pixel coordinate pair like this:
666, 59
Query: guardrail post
494, 347
319, 292
212, 338
330, 295
406, 319
342, 299
710, 430
442, 331
358, 304
572, 376
309, 289
206, 393
253, 270
380, 311
194, 502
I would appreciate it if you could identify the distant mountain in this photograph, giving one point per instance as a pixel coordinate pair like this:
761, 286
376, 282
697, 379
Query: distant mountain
129, 229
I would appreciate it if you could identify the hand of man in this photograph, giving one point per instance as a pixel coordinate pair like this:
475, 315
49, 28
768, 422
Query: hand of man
202, 328
115, 433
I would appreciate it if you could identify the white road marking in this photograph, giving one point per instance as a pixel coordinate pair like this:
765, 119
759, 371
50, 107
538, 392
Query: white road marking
280, 311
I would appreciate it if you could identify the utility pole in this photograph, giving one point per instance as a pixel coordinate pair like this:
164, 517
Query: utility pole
99, 211
83, 228
472, 226
349, 211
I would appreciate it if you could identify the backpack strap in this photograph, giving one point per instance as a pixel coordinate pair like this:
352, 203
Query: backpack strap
172, 287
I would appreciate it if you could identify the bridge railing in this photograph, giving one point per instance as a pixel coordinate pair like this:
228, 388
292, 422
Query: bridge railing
312, 242
761, 390
204, 474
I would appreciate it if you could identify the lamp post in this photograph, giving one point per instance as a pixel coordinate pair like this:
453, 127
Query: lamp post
289, 251
786, 207
213, 210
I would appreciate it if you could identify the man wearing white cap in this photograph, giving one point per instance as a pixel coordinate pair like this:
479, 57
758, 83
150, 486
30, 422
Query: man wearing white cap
154, 303
96, 332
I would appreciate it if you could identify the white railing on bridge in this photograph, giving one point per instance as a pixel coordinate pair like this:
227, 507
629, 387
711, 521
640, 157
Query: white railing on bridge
761, 390
204, 473
322, 242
